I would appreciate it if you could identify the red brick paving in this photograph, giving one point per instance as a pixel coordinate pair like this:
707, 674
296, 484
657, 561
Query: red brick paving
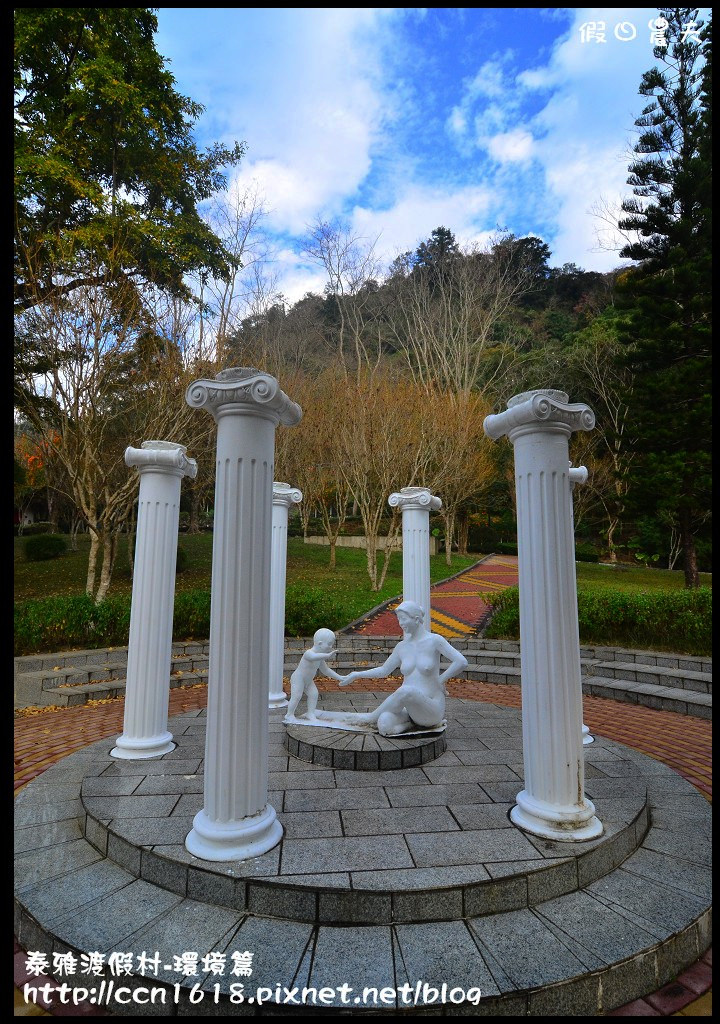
461, 598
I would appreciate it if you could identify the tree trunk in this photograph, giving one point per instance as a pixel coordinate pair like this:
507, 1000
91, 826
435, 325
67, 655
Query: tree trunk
449, 518
108, 561
463, 534
612, 554
333, 541
75, 524
371, 554
194, 525
131, 544
389, 548
52, 507
692, 576
92, 561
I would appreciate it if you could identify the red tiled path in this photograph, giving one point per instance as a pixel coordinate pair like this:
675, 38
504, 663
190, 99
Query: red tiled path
457, 605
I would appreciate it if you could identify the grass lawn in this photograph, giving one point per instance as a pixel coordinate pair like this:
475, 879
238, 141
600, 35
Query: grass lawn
633, 577
307, 565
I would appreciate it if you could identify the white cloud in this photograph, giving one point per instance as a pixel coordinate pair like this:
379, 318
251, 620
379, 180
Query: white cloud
585, 130
307, 92
511, 147
421, 209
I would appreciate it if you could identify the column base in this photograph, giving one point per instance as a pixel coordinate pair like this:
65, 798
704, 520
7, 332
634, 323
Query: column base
549, 822
234, 840
278, 700
587, 738
129, 748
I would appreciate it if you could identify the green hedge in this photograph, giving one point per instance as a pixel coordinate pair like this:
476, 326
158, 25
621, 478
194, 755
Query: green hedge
64, 623
672, 620
506, 548
44, 547
310, 608
583, 552
586, 553
33, 529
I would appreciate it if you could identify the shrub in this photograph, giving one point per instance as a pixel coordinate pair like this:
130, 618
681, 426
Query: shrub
310, 608
33, 529
506, 548
675, 620
586, 553
191, 617
44, 547
59, 623
63, 623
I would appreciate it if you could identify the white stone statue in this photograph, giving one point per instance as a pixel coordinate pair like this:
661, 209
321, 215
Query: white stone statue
302, 681
419, 703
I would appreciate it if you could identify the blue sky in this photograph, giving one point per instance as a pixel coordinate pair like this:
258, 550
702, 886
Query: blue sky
398, 120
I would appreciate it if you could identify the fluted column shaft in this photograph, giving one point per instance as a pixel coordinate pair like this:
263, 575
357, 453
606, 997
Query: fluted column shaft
578, 475
161, 466
236, 821
416, 504
553, 803
283, 497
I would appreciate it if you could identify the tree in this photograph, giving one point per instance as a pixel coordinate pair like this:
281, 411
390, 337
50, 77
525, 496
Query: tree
384, 442
668, 294
437, 254
352, 267
107, 175
461, 455
119, 382
444, 320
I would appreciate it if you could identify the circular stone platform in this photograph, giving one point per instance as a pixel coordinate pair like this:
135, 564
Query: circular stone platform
432, 842
357, 751
389, 878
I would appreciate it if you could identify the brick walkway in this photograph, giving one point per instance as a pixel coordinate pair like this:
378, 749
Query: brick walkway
457, 605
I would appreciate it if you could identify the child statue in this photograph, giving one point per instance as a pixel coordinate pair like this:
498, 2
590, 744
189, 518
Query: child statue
302, 679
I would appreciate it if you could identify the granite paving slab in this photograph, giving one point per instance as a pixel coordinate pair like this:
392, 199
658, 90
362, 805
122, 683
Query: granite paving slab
506, 935
423, 843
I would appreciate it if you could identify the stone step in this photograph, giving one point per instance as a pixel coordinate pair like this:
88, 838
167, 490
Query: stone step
664, 698
586, 952
71, 696
658, 675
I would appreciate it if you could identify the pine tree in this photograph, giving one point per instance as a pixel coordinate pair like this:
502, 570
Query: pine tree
667, 337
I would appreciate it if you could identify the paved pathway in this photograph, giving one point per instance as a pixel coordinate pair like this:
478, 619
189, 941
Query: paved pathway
457, 609
457, 605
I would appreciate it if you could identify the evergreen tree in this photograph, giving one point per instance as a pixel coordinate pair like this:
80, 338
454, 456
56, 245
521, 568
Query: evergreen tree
667, 337
107, 174
439, 250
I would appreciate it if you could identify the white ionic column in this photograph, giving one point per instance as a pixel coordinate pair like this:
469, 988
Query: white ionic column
578, 475
283, 496
553, 803
416, 503
161, 466
236, 821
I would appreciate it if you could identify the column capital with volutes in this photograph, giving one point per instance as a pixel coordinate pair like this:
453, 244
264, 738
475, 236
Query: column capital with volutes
162, 456
241, 390
544, 410
284, 494
415, 497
